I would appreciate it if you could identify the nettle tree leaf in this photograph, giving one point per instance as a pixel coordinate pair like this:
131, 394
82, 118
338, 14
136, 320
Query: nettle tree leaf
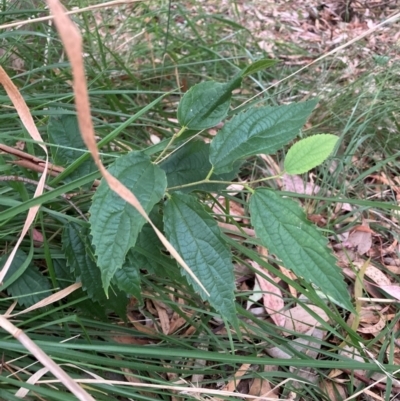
63, 130
147, 250
62, 273
65, 278
128, 277
258, 65
197, 238
81, 260
31, 286
206, 104
115, 224
191, 164
82, 265
283, 228
309, 153
258, 130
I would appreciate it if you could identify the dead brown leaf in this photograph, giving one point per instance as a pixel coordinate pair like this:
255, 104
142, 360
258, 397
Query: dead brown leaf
139, 326
176, 323
392, 290
333, 391
232, 385
262, 388
129, 340
360, 237
163, 316
234, 209
375, 274
374, 329
300, 320
294, 183
272, 295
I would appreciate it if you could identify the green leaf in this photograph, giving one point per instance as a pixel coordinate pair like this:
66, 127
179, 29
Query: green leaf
197, 238
283, 228
147, 252
117, 302
191, 164
309, 153
62, 273
63, 130
115, 224
128, 277
11, 278
258, 65
258, 130
90, 307
81, 261
31, 287
147, 243
87, 306
148, 255
206, 104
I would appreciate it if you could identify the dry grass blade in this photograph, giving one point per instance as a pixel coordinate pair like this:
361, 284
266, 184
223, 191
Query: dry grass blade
72, 41
181, 389
26, 118
45, 360
51, 299
23, 392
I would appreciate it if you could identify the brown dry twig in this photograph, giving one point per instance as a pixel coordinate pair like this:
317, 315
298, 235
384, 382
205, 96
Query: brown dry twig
30, 162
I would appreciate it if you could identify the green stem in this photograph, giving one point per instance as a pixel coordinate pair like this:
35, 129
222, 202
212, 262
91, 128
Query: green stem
250, 189
208, 181
272, 177
205, 181
181, 131
210, 174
